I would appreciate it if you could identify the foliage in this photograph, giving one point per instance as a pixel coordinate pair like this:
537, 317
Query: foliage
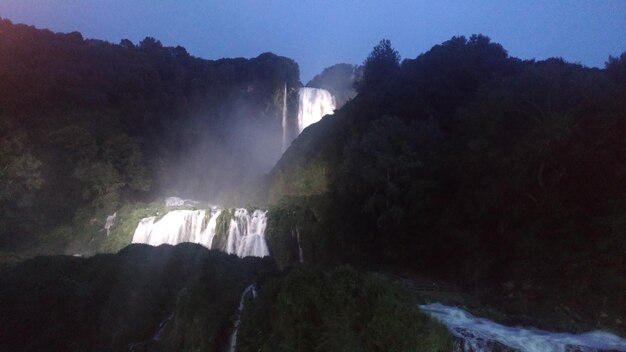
292, 225
87, 126
111, 302
616, 68
504, 176
123, 229
337, 310
380, 68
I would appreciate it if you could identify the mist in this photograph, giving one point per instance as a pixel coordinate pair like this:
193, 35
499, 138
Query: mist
223, 159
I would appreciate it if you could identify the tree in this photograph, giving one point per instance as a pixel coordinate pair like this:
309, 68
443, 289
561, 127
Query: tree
616, 68
126, 43
380, 68
150, 44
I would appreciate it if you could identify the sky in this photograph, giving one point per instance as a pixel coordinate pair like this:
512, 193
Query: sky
318, 34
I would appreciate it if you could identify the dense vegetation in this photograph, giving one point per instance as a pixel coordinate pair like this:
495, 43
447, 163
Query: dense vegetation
112, 302
185, 298
503, 175
337, 310
87, 127
339, 80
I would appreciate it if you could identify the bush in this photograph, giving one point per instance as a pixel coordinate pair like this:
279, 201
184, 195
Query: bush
337, 310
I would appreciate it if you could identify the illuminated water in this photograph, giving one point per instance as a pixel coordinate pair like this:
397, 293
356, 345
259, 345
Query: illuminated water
110, 221
482, 335
284, 145
313, 104
233, 337
245, 235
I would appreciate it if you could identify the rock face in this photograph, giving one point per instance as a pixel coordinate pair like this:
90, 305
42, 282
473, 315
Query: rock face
142, 298
339, 80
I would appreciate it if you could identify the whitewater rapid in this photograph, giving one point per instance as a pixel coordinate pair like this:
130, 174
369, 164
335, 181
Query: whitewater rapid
313, 104
482, 335
243, 234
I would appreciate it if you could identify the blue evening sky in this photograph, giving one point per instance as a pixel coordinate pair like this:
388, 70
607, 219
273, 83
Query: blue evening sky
318, 34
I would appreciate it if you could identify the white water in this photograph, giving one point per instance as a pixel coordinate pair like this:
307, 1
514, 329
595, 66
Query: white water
479, 334
246, 233
233, 338
300, 258
313, 104
284, 118
158, 335
110, 221
179, 202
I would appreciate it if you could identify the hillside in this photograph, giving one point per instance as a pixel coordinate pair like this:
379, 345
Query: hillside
465, 164
88, 126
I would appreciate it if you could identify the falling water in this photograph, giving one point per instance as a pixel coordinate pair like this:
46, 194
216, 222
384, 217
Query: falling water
313, 104
300, 258
481, 335
110, 221
285, 118
245, 235
158, 335
233, 338
179, 202
147, 345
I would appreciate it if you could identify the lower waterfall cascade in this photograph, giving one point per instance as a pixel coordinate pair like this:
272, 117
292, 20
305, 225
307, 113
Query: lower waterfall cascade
475, 334
245, 233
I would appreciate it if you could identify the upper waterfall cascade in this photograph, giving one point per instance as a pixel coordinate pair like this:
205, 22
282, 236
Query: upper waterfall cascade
245, 235
313, 104
482, 335
284, 122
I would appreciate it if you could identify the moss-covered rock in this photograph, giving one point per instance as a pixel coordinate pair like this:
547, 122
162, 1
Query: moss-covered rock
222, 225
8, 260
110, 302
126, 220
337, 310
298, 231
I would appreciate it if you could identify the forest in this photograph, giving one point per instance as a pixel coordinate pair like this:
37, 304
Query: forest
502, 175
89, 126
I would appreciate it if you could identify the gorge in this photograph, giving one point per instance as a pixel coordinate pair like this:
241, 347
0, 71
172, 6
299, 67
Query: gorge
451, 202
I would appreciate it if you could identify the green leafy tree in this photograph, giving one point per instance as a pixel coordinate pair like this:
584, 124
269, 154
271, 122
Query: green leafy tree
616, 68
380, 68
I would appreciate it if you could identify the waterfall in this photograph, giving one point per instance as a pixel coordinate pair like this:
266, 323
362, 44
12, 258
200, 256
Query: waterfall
285, 118
245, 235
110, 221
147, 345
300, 258
313, 104
474, 334
233, 338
